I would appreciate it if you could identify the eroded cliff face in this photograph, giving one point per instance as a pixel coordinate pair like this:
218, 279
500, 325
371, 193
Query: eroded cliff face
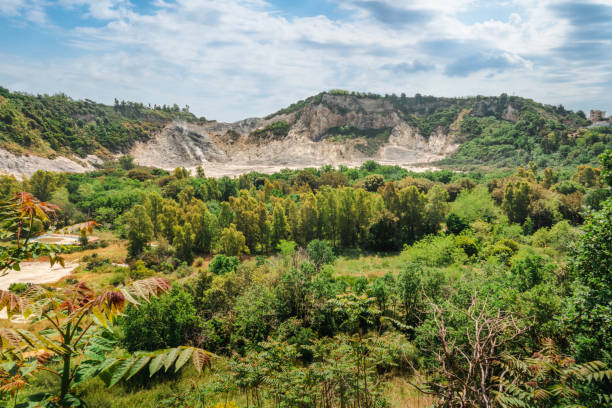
26, 165
330, 128
231, 148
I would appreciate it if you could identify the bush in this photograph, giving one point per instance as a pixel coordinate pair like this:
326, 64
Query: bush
19, 288
222, 264
140, 271
164, 322
467, 244
527, 272
513, 245
373, 182
474, 205
320, 253
502, 252
432, 251
455, 224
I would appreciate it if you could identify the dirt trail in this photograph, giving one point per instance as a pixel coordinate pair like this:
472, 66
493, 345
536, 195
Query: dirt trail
35, 272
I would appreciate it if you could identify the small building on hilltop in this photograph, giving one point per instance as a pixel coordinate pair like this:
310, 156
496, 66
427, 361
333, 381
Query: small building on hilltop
597, 116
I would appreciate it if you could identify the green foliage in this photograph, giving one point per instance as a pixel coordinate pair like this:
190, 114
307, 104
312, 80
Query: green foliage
467, 244
222, 264
320, 253
275, 130
140, 230
44, 124
373, 182
592, 269
233, 242
455, 224
549, 379
474, 205
164, 322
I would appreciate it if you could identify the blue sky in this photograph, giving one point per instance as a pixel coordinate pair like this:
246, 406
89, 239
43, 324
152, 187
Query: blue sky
231, 59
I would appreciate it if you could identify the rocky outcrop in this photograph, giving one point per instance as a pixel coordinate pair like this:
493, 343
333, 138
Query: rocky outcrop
226, 148
329, 128
26, 165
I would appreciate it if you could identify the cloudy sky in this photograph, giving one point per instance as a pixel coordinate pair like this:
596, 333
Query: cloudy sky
230, 59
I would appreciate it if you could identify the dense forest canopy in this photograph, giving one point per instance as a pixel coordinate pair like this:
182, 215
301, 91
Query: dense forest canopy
338, 287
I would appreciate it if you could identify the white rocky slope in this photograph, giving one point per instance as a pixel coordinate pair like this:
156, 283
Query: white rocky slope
235, 148
232, 148
25, 165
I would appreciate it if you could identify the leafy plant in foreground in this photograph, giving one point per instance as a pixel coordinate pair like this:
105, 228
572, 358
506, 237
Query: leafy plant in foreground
70, 317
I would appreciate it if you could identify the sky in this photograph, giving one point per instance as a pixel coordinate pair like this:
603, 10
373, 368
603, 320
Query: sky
232, 59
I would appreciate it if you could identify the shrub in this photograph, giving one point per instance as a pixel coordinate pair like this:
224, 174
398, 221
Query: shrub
320, 253
474, 205
18, 288
455, 224
222, 264
164, 322
513, 245
435, 250
503, 252
467, 244
117, 279
373, 182
527, 271
140, 271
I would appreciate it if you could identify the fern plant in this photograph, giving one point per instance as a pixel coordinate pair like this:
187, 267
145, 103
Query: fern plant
73, 319
549, 379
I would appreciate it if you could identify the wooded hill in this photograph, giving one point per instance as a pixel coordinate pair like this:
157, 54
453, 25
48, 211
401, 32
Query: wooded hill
501, 131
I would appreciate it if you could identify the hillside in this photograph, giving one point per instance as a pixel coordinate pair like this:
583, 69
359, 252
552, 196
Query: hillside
334, 127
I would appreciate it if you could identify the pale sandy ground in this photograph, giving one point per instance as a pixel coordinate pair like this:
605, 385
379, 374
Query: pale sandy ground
226, 169
35, 272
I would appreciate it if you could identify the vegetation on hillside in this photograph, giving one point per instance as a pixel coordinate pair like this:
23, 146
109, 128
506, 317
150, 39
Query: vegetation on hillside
502, 131
367, 287
57, 124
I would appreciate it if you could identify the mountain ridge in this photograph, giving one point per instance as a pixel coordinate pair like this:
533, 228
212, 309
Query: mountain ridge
333, 127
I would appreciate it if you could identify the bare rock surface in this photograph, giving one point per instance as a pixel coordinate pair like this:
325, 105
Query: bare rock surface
26, 165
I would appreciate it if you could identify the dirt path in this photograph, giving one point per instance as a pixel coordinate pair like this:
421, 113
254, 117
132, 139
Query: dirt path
35, 272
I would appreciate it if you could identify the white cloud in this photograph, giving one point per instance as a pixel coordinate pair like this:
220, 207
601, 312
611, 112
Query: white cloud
236, 58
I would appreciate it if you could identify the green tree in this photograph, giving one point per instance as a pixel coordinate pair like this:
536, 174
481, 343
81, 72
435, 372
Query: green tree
226, 216
589, 313
140, 230
222, 264
183, 242
43, 184
154, 203
168, 321
309, 216
167, 220
232, 242
265, 229
412, 212
516, 201
320, 253
280, 230
203, 224
373, 182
